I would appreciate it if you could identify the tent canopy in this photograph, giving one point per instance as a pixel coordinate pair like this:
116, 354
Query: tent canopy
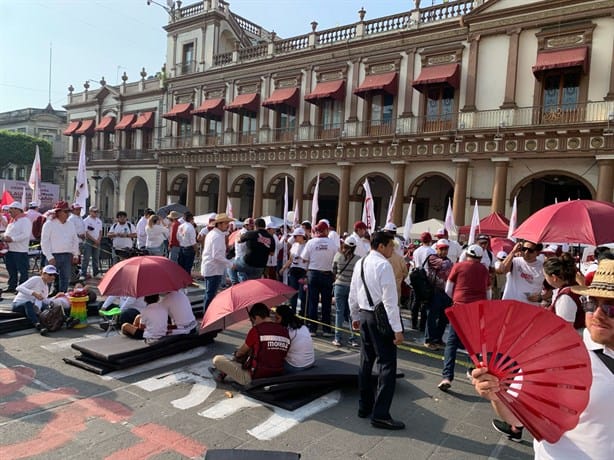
494, 224
430, 225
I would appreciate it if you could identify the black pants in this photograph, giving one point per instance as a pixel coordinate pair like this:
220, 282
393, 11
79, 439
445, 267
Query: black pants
374, 346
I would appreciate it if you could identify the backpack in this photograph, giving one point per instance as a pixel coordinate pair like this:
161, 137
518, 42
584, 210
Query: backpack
420, 282
37, 227
52, 318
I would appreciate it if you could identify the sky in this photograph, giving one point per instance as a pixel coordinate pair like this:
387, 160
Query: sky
89, 39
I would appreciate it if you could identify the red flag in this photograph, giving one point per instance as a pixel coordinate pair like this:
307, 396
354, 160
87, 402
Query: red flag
7, 198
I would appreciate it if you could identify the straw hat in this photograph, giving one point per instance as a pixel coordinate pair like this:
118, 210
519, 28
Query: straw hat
221, 218
173, 215
603, 282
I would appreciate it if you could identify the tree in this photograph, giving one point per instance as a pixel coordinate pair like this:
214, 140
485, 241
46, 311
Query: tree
19, 149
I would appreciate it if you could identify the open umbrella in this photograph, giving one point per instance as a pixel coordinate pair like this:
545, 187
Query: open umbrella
578, 221
164, 210
233, 237
144, 275
501, 244
540, 360
230, 305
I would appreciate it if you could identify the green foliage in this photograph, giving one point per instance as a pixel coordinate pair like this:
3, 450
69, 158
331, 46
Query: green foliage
19, 149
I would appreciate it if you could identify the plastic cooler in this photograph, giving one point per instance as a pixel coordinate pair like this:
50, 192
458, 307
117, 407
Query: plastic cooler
78, 309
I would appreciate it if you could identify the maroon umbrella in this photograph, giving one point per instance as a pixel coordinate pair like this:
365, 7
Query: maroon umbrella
578, 221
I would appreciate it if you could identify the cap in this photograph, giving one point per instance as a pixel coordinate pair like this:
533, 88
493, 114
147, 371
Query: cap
552, 248
390, 227
441, 233
50, 270
33, 204
75, 206
249, 221
16, 205
326, 221
321, 227
483, 237
360, 225
298, 232
93, 208
350, 241
501, 255
425, 237
442, 243
475, 251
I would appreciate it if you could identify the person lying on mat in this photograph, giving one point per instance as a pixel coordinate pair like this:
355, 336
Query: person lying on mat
592, 437
261, 355
300, 355
180, 310
151, 324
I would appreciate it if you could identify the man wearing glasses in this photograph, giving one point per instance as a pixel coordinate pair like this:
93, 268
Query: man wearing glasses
592, 437
525, 277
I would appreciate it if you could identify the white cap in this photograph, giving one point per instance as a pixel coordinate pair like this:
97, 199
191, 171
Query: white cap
441, 232
298, 232
350, 241
501, 255
390, 227
33, 204
442, 243
552, 248
50, 270
16, 205
475, 251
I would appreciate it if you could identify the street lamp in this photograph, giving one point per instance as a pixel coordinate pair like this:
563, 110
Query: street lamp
169, 7
96, 179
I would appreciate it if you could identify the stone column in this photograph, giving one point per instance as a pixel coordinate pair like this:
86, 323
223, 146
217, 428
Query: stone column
399, 178
354, 83
306, 112
605, 184
163, 193
258, 190
191, 189
472, 70
344, 194
409, 90
222, 195
460, 191
509, 100
499, 187
299, 187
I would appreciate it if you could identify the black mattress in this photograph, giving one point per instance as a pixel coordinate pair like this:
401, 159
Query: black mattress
239, 454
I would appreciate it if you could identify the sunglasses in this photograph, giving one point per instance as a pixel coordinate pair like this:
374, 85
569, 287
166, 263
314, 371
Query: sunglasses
590, 306
529, 250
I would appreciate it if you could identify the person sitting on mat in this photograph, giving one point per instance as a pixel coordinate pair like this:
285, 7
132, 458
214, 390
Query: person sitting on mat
130, 308
300, 355
151, 324
180, 310
261, 355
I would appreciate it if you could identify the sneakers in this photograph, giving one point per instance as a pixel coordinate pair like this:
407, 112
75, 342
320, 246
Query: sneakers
444, 385
72, 322
507, 429
354, 343
217, 375
336, 343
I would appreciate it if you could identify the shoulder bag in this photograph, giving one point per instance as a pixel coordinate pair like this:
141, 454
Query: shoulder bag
381, 317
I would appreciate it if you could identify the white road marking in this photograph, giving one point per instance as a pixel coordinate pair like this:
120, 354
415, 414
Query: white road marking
55, 347
200, 391
228, 407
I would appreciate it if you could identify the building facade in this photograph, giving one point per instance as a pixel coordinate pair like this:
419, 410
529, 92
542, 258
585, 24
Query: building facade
473, 101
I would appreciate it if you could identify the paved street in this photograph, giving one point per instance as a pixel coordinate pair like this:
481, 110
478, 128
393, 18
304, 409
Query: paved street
171, 408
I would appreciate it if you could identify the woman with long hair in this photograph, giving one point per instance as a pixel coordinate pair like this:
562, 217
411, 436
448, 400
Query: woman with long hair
156, 233
560, 273
343, 267
300, 355
297, 269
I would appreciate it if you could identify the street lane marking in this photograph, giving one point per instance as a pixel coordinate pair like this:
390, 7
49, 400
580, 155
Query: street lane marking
199, 393
227, 407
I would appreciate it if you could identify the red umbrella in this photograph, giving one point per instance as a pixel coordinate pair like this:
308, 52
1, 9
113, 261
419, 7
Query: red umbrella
501, 244
233, 237
144, 275
540, 360
578, 221
230, 305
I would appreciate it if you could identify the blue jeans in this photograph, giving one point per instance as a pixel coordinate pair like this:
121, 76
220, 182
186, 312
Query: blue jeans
294, 275
17, 265
26, 308
247, 272
449, 355
63, 262
93, 252
212, 284
186, 258
342, 310
156, 250
173, 253
436, 319
320, 287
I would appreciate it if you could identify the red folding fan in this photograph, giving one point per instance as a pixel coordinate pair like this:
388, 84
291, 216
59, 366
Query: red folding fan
540, 360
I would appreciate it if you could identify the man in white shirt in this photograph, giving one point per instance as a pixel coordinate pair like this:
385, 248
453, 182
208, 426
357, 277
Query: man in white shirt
455, 250
122, 234
525, 277
32, 295
424, 251
141, 235
180, 310
186, 235
380, 283
214, 261
17, 235
91, 245
60, 243
363, 246
76, 219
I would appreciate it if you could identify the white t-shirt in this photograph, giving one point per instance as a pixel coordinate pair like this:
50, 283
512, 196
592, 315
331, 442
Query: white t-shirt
592, 437
155, 319
524, 279
421, 254
300, 353
122, 242
180, 311
319, 254
565, 307
296, 251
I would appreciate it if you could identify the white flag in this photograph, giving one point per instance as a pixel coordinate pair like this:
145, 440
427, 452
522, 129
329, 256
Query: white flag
314, 203
229, 212
24, 201
391, 205
81, 191
368, 213
35, 177
475, 223
513, 219
408, 223
449, 222
296, 218
285, 237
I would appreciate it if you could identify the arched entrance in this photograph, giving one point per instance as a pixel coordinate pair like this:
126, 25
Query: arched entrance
179, 189
243, 188
276, 191
106, 198
547, 188
431, 193
137, 197
328, 198
209, 190
381, 189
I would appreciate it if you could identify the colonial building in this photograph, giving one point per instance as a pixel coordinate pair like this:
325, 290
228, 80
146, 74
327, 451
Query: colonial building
470, 100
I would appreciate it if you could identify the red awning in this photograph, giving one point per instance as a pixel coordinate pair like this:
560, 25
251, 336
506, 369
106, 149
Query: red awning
445, 74
386, 82
562, 59
145, 120
107, 124
244, 103
72, 127
126, 122
87, 128
210, 107
334, 89
179, 112
283, 96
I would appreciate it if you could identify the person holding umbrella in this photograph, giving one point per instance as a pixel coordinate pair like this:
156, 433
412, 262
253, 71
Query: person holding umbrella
526, 276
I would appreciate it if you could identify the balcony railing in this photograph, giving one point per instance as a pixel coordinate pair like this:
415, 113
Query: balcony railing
535, 118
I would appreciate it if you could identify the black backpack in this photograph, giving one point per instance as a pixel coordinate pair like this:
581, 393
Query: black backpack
421, 284
52, 318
